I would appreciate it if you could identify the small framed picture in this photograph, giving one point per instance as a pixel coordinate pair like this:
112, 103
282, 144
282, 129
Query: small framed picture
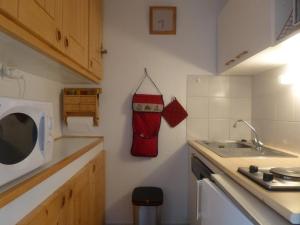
162, 20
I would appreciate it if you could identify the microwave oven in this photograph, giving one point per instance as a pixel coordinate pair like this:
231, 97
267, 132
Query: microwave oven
26, 141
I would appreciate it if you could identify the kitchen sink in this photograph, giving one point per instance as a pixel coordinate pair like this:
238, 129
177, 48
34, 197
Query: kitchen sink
233, 149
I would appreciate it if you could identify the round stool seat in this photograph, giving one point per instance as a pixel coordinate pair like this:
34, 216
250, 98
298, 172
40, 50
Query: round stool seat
147, 196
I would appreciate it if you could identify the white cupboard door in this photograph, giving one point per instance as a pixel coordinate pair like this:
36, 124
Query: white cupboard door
244, 29
195, 191
218, 209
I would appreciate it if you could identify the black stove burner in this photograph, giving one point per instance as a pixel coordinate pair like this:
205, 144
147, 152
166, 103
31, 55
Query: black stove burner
287, 173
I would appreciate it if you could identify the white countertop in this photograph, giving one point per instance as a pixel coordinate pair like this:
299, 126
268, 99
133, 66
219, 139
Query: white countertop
63, 148
287, 204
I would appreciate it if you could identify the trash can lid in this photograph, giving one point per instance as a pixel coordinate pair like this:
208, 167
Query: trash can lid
147, 196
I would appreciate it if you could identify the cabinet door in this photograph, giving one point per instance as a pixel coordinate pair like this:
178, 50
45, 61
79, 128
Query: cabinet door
217, 208
95, 37
97, 184
57, 208
43, 18
81, 198
10, 7
75, 26
37, 217
244, 29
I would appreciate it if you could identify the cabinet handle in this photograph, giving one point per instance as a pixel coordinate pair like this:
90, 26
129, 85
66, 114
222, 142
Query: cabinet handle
91, 63
241, 54
94, 168
66, 42
63, 202
103, 52
70, 194
58, 35
229, 62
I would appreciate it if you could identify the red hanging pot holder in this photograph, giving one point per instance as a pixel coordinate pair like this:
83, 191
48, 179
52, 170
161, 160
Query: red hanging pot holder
146, 122
174, 113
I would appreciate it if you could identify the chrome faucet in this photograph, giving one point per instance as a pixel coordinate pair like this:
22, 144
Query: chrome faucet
256, 141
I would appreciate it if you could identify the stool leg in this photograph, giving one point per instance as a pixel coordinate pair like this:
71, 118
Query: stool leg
135, 215
158, 215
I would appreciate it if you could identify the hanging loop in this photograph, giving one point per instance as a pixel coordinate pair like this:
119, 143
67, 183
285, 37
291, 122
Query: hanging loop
149, 77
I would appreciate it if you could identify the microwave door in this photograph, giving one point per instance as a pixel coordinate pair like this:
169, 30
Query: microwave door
18, 137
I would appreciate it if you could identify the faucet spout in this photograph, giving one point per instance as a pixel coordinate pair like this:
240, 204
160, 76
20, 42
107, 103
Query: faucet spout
256, 141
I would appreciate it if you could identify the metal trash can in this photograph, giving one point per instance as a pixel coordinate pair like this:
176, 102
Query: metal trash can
146, 197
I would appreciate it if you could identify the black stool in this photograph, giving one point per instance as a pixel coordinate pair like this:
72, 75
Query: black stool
147, 196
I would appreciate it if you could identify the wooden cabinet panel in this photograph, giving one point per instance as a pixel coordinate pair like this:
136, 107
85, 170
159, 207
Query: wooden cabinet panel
95, 37
80, 201
37, 217
43, 18
10, 7
97, 179
75, 27
81, 198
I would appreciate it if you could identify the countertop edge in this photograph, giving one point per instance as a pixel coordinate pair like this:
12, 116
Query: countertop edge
16, 191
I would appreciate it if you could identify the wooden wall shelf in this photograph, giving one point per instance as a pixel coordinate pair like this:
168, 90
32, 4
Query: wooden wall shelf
82, 102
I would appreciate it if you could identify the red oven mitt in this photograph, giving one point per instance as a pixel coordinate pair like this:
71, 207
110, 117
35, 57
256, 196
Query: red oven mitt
174, 113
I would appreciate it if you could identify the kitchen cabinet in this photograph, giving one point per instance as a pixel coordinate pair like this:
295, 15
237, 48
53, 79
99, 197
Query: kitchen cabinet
95, 37
245, 28
69, 31
9, 7
80, 201
43, 18
97, 180
76, 30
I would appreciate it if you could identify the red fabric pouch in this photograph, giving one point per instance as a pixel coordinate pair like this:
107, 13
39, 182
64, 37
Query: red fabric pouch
146, 122
174, 113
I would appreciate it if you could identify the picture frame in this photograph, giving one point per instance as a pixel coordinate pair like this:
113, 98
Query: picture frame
163, 20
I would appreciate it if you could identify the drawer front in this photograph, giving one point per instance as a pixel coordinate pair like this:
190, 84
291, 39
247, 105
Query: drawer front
87, 108
71, 99
88, 100
71, 108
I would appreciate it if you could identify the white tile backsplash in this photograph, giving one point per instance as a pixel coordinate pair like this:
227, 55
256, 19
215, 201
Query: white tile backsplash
276, 111
198, 128
219, 129
240, 108
198, 86
197, 107
219, 108
240, 87
219, 86
214, 103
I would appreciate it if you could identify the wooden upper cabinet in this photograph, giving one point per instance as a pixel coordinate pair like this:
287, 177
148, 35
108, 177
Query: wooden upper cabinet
75, 28
43, 18
95, 37
9, 7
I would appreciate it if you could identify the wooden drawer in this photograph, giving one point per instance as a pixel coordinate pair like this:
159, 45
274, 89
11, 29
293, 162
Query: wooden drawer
87, 108
71, 100
88, 100
71, 108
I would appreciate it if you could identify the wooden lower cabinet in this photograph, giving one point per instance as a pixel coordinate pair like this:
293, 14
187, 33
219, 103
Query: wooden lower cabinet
80, 201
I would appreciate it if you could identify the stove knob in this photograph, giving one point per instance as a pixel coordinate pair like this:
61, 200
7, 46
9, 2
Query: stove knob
268, 177
253, 169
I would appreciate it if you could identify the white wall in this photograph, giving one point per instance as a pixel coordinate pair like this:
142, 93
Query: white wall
215, 103
36, 88
169, 60
276, 109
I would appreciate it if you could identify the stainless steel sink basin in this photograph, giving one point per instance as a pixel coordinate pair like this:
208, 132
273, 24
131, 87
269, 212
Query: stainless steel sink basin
241, 149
